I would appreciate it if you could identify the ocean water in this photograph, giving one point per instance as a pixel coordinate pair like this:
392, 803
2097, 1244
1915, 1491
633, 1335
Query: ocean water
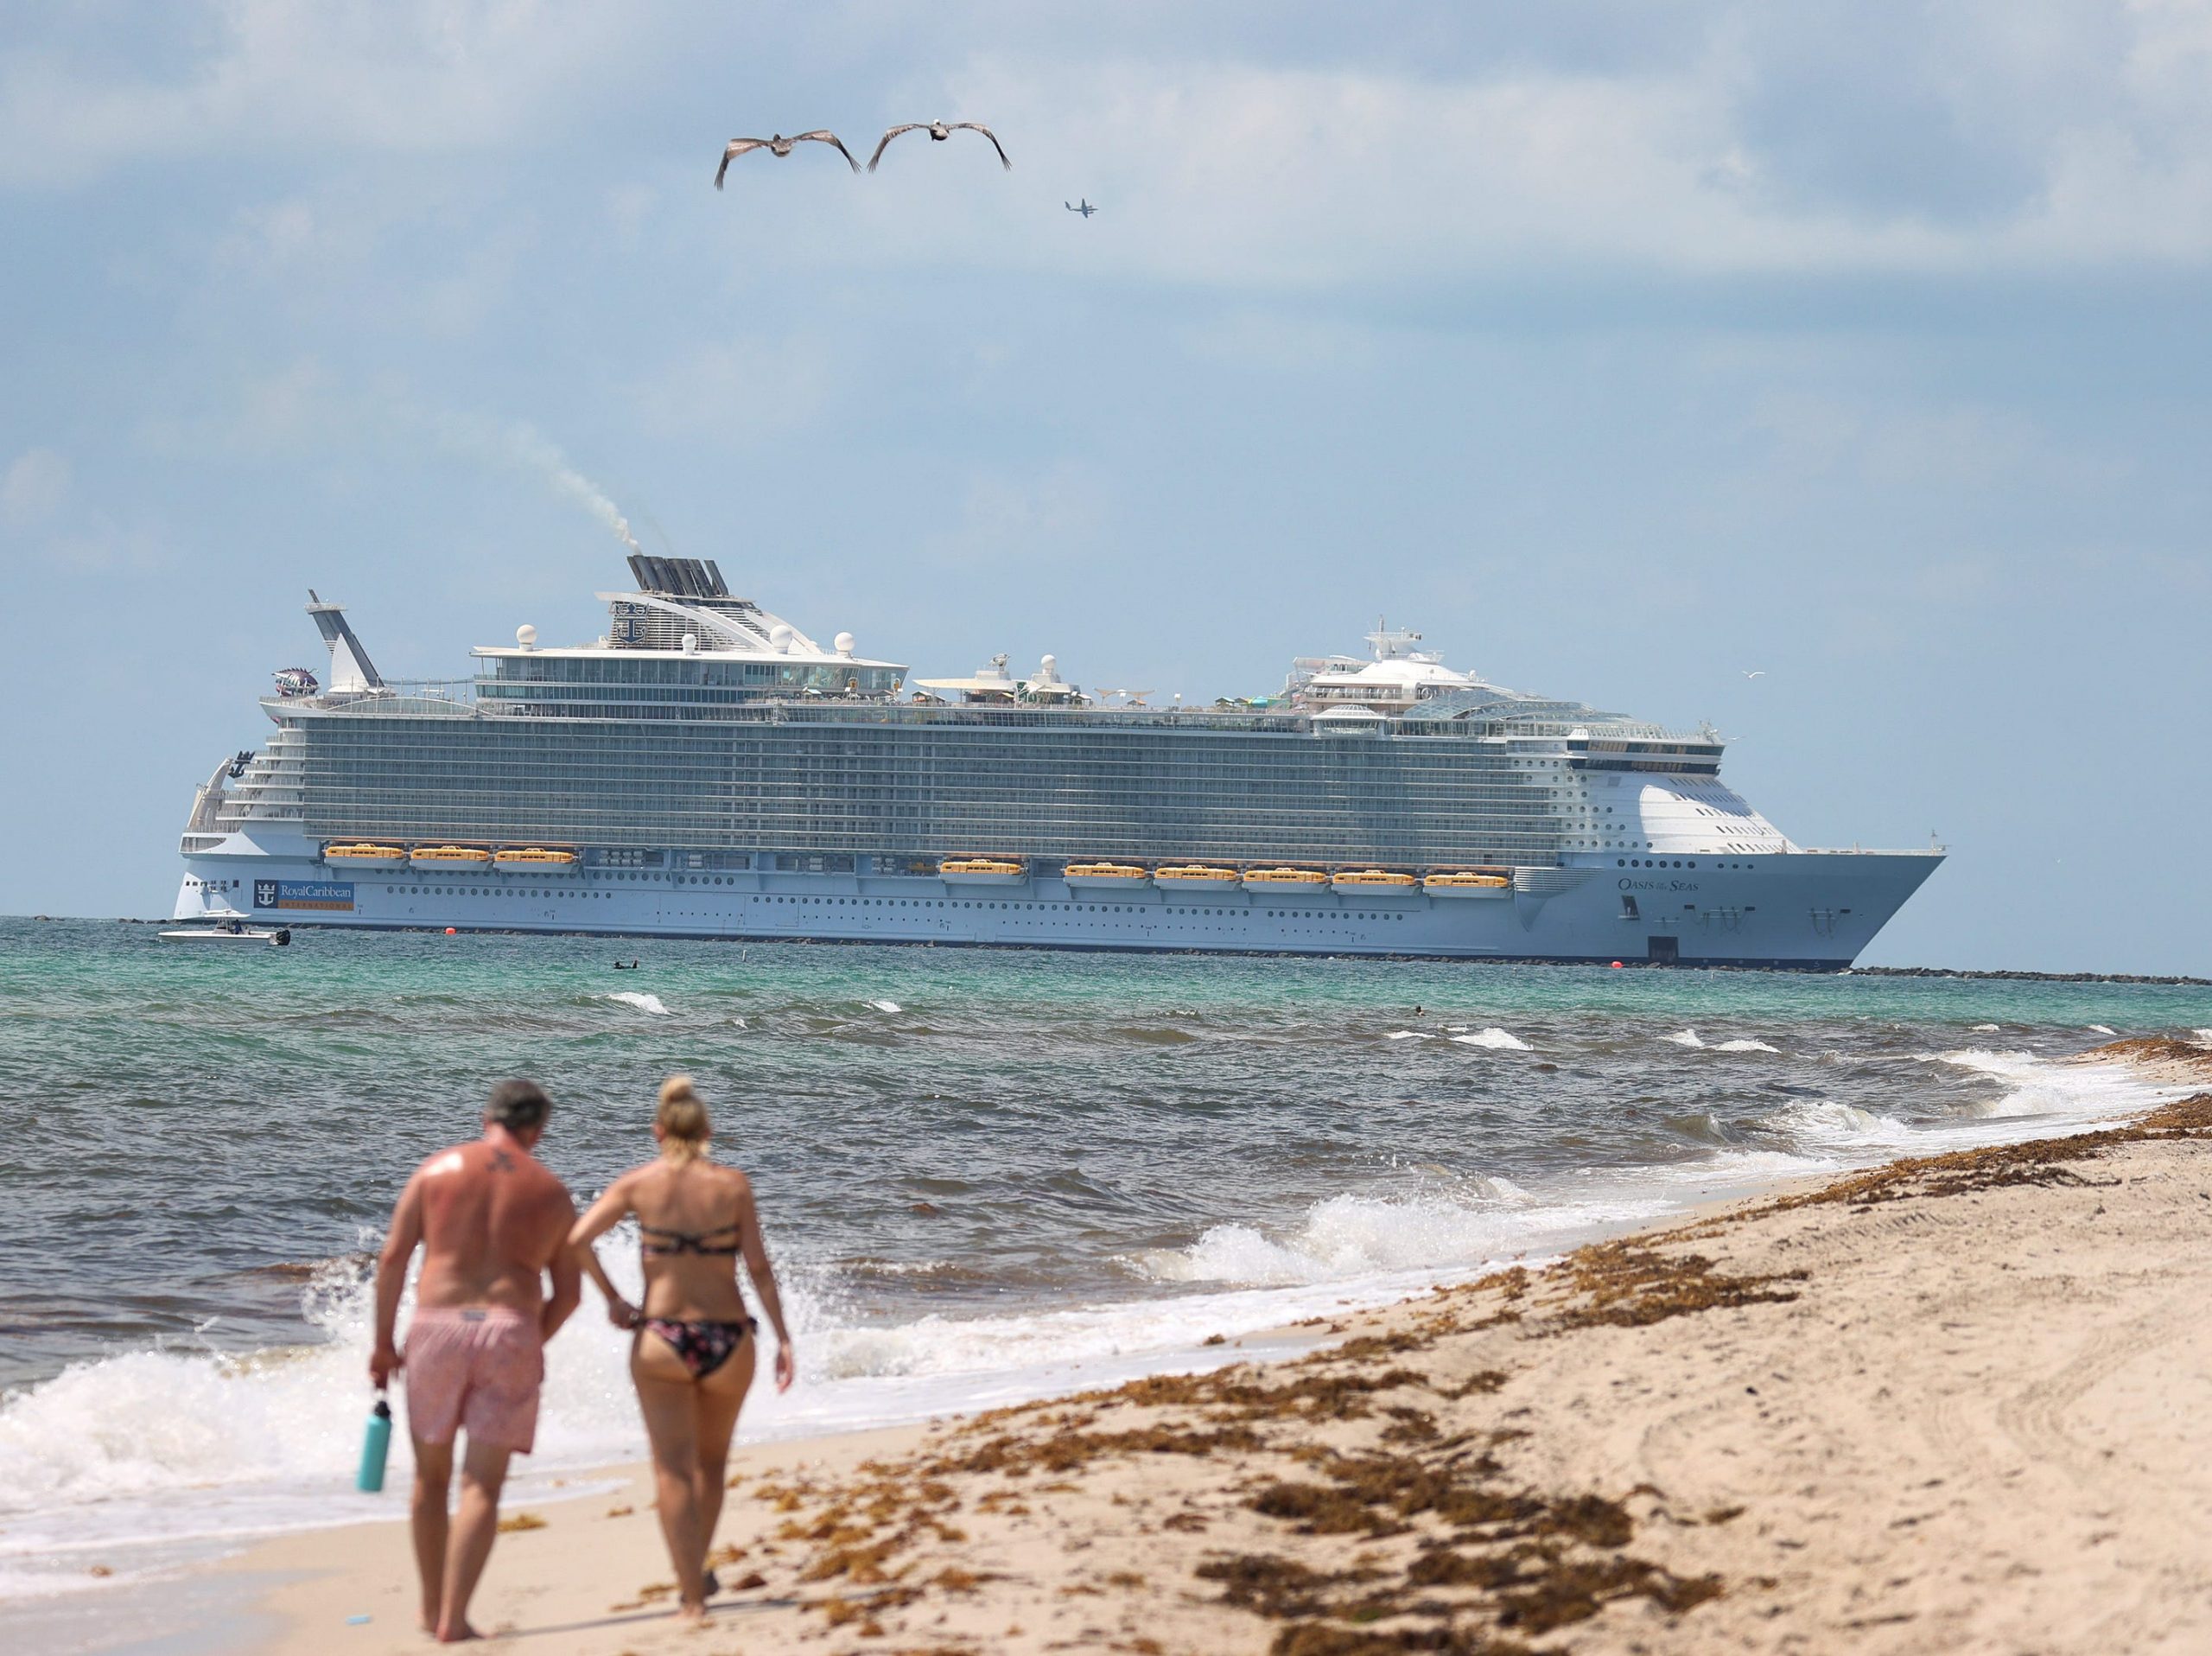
984, 1175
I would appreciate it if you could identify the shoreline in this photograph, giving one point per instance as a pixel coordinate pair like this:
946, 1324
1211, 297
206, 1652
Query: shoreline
1942, 1403
1965, 974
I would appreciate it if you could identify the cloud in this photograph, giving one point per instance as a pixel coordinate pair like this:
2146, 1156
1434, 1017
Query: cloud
278, 78
1962, 139
1965, 448
1056, 512
1876, 135
744, 386
104, 544
34, 486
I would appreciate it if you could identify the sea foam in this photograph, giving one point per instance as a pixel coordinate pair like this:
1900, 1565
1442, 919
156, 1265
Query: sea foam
1349, 1237
643, 1001
2083, 1094
118, 1462
1819, 1124
142, 1460
1496, 1040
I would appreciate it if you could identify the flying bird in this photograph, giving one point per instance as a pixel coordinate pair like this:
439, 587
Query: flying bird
1761, 673
939, 131
779, 146
1086, 209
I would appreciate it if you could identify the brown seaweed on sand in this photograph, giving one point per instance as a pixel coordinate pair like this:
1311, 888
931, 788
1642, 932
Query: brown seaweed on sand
2036, 1162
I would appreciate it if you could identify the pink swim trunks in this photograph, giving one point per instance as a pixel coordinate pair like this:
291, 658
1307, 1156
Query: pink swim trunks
477, 1366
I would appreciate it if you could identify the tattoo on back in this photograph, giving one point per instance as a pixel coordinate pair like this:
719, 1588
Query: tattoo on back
503, 1161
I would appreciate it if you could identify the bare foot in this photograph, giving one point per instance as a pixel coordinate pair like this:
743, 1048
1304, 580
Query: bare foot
460, 1635
692, 1615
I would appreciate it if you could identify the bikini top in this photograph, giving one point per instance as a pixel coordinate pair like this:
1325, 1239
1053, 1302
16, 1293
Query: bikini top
685, 1241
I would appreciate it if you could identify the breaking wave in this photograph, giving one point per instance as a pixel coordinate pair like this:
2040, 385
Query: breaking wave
1349, 1238
1496, 1040
2082, 1093
643, 1001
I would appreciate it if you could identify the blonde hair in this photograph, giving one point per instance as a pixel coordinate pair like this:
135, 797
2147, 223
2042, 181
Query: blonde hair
683, 1121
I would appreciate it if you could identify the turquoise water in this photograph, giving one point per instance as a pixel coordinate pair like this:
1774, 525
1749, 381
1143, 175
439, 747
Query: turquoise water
985, 1174
935, 1131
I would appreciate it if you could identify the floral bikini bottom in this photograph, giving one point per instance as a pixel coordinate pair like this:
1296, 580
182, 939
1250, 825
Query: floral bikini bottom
704, 1346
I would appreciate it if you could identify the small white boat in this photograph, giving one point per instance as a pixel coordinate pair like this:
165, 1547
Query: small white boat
231, 931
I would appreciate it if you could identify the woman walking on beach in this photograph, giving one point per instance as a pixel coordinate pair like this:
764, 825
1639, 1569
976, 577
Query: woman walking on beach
692, 1358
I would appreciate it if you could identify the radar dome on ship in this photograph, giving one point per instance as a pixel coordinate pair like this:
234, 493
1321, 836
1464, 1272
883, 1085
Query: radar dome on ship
526, 636
844, 642
779, 636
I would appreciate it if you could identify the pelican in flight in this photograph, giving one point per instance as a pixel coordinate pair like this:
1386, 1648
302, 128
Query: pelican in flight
1761, 673
939, 131
779, 146
1083, 207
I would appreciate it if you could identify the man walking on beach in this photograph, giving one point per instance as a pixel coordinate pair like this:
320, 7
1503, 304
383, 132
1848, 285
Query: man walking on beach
491, 1222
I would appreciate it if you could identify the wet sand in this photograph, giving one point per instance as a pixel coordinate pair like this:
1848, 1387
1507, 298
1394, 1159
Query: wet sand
1962, 1403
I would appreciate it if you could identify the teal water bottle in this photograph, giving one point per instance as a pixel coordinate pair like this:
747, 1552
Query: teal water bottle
376, 1446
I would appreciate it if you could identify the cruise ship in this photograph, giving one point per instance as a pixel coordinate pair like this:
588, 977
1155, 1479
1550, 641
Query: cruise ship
707, 770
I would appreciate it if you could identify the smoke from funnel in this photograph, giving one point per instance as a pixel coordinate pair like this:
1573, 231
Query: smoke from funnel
534, 450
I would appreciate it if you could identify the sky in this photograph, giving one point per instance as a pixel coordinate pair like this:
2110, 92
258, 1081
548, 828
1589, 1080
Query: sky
1622, 350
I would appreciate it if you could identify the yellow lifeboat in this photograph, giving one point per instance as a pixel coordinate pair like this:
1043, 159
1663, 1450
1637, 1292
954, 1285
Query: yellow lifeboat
981, 871
1106, 876
1285, 879
1376, 883
533, 859
366, 856
448, 856
1194, 877
1466, 883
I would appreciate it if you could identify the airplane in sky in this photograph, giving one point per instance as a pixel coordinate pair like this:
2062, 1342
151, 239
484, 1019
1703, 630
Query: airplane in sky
1086, 209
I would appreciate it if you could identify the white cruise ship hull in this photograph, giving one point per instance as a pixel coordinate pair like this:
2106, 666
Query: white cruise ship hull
1807, 910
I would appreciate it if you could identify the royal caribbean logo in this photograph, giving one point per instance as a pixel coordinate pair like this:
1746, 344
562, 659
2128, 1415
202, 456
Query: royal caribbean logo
327, 894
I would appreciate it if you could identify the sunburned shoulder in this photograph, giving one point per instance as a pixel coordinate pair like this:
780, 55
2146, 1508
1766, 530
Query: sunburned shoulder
453, 1159
478, 1156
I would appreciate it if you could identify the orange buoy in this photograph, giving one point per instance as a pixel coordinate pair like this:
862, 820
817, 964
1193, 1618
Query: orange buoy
1617, 966
454, 930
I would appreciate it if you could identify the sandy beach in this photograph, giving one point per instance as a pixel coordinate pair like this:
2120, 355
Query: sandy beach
1963, 1403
